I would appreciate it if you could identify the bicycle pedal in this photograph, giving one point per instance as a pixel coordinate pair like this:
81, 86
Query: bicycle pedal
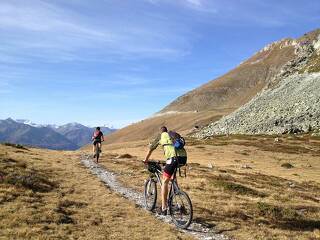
162, 213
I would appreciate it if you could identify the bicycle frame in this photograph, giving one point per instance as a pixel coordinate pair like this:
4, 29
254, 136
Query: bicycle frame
179, 203
174, 185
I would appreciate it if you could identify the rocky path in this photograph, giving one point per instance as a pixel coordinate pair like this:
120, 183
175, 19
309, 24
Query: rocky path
197, 230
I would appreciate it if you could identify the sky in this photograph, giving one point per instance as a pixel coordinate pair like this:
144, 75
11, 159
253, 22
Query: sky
116, 62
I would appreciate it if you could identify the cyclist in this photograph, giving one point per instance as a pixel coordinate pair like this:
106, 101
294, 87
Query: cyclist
97, 138
173, 157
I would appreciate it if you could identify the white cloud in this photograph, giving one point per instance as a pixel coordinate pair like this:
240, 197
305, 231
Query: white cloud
40, 30
195, 2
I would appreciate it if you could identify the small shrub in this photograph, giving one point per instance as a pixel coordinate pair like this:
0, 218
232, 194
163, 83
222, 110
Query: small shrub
15, 145
200, 147
8, 160
276, 213
126, 155
31, 181
287, 165
238, 188
65, 219
68, 203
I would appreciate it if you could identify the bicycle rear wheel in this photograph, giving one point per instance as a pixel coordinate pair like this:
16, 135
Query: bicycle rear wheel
180, 209
150, 194
97, 153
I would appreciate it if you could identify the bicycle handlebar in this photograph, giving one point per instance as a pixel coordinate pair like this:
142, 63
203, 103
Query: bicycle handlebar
154, 162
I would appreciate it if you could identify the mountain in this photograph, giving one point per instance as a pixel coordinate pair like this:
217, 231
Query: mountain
28, 122
80, 134
240, 84
44, 137
70, 136
224, 95
290, 103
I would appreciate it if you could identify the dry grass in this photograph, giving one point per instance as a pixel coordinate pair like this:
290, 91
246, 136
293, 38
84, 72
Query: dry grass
265, 201
150, 127
49, 195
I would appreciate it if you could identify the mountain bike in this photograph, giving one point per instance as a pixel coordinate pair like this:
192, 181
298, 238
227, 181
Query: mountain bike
179, 203
97, 153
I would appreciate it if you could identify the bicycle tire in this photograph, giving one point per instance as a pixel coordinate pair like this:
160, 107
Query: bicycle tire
97, 154
176, 208
150, 184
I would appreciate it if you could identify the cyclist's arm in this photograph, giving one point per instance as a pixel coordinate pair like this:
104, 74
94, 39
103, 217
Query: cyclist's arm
93, 136
152, 147
148, 155
102, 137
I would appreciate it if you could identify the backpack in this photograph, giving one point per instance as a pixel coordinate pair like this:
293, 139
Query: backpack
177, 141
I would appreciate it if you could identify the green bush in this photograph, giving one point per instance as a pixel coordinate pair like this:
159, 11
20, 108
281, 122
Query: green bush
19, 146
276, 213
238, 188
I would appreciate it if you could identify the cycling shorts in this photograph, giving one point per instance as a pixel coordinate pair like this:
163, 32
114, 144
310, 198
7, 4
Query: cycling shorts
172, 164
96, 141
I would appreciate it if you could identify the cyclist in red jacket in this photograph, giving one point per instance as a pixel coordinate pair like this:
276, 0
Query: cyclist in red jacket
97, 138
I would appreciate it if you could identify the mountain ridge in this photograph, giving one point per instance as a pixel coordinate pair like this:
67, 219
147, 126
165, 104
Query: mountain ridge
65, 137
223, 95
290, 103
43, 137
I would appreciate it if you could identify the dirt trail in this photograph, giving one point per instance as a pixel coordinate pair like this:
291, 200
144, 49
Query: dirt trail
109, 178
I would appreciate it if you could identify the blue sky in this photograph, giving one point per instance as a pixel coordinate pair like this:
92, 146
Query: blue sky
116, 62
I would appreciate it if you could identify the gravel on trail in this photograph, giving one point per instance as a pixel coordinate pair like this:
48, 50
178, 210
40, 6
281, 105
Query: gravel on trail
198, 230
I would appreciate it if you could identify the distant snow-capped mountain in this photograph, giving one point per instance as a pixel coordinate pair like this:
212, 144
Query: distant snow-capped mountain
66, 137
44, 137
79, 133
30, 123
67, 125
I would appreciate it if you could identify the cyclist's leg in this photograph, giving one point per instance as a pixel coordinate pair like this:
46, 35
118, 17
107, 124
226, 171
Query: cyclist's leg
99, 144
164, 192
94, 147
168, 171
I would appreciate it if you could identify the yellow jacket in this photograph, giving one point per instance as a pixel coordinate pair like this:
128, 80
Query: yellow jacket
169, 150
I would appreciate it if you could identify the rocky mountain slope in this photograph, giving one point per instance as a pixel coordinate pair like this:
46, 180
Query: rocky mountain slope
290, 103
224, 95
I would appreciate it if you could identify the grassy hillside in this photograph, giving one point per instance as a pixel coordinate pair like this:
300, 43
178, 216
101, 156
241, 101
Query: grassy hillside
246, 187
49, 195
183, 122
239, 85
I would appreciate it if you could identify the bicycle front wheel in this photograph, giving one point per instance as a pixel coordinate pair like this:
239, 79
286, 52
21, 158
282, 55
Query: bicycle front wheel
150, 194
180, 208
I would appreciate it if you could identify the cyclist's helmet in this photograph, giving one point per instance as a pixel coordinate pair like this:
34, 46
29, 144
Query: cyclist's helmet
98, 128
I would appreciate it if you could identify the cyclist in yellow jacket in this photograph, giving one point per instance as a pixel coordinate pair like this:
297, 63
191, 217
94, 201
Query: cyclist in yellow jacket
173, 157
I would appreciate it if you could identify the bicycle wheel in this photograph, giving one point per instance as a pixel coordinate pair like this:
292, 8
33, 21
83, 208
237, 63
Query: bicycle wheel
97, 154
180, 209
150, 194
